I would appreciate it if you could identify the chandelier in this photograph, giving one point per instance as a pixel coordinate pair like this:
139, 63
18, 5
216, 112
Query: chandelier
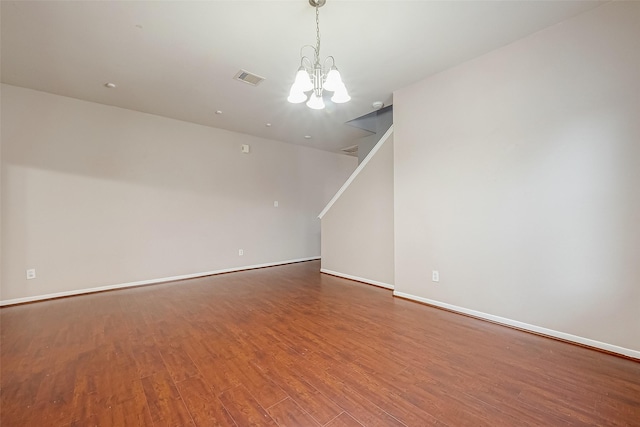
315, 76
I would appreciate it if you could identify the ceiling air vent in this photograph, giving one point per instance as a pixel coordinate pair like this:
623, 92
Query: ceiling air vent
249, 78
353, 150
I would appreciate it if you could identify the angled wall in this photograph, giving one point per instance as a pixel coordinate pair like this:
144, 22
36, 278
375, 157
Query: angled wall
357, 227
517, 178
96, 196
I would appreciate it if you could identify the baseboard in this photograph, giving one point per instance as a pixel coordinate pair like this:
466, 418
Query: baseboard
357, 279
586, 342
148, 282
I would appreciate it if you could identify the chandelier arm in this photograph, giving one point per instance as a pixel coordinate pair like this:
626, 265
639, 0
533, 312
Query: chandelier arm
310, 46
333, 64
306, 63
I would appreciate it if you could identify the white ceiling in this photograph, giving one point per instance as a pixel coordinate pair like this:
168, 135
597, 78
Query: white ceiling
177, 58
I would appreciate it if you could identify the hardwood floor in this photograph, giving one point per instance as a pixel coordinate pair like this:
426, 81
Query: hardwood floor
288, 346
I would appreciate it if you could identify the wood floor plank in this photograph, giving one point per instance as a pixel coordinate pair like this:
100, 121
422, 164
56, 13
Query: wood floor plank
288, 414
261, 387
200, 348
244, 409
178, 363
385, 396
320, 407
165, 403
288, 344
351, 400
56, 386
218, 374
343, 420
148, 360
48, 413
450, 406
205, 408
132, 412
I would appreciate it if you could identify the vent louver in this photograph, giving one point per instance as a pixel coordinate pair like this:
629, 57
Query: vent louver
249, 78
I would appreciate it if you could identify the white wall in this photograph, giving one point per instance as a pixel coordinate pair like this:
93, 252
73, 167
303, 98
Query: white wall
94, 195
517, 176
357, 230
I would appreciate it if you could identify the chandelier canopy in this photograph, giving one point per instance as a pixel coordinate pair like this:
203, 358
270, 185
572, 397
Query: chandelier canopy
315, 76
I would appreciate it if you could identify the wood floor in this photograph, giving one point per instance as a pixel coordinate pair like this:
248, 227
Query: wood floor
288, 346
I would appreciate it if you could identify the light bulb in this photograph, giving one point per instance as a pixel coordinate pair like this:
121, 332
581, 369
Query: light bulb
341, 95
303, 81
296, 96
315, 102
333, 81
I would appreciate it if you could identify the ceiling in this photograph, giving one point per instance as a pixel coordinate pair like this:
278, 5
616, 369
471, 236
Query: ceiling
178, 58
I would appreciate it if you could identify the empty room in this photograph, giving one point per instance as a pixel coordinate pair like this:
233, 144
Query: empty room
320, 213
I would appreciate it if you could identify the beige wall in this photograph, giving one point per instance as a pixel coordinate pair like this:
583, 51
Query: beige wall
94, 195
517, 177
357, 230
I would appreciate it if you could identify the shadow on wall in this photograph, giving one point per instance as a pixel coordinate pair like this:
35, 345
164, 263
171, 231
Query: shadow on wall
81, 138
377, 122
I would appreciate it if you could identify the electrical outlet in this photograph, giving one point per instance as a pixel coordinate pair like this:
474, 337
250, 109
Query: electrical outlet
31, 273
275, 204
435, 276
240, 252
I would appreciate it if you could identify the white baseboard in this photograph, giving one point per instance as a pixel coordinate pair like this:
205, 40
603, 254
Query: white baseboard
537, 329
356, 278
148, 282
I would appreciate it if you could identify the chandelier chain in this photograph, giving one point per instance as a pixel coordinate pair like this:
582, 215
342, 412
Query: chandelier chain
317, 33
